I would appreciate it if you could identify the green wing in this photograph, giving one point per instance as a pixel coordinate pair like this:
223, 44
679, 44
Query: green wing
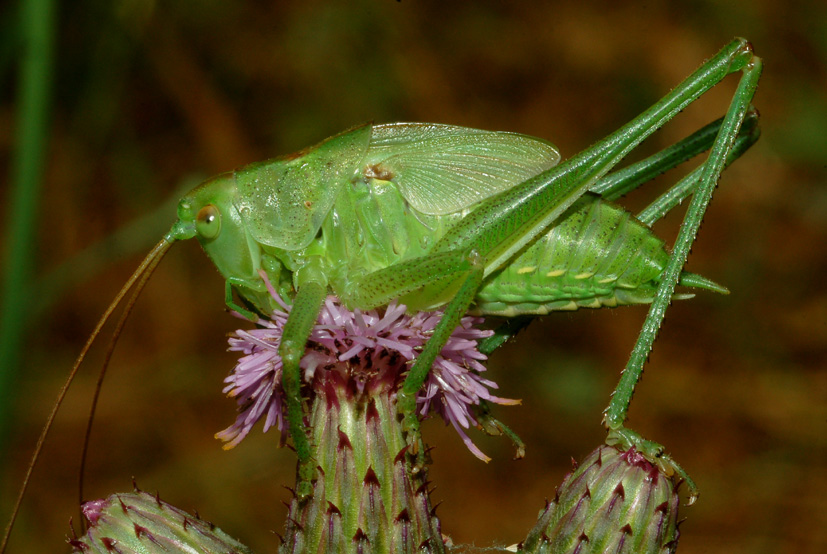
442, 169
284, 201
439, 169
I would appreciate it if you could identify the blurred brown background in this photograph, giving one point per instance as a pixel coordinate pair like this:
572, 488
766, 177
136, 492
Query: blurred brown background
151, 97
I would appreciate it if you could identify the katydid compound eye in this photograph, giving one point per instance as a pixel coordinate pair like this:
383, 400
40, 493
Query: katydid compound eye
208, 222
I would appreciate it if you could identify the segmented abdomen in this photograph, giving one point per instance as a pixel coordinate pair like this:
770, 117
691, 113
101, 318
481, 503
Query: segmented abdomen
597, 255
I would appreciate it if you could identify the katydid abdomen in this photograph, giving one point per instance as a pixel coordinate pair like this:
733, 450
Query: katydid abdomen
597, 255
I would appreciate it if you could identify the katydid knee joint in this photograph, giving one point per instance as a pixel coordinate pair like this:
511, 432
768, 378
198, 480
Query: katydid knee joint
291, 353
475, 259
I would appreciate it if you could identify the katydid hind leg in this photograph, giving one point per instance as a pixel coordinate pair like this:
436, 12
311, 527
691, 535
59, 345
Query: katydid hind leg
616, 413
622, 181
670, 199
748, 134
504, 224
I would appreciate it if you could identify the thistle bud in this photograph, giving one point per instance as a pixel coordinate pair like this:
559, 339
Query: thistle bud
141, 523
615, 501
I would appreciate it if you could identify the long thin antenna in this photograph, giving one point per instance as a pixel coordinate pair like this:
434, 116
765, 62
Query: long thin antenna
157, 251
110, 349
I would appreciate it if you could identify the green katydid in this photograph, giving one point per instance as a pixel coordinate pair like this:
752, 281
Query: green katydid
440, 216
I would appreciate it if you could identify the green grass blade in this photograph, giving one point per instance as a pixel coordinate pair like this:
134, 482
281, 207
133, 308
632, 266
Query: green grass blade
37, 24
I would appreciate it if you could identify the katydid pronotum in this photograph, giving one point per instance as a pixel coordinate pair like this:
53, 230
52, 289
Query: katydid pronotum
440, 216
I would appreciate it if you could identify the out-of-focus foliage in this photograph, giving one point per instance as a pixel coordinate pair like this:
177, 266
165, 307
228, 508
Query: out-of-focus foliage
152, 96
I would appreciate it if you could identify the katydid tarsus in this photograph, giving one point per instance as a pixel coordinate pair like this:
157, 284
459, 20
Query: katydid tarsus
447, 217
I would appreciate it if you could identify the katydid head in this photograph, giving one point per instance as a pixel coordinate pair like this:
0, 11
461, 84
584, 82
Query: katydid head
209, 214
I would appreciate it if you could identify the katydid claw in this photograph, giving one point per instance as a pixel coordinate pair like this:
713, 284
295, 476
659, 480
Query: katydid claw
406, 406
625, 439
306, 474
494, 427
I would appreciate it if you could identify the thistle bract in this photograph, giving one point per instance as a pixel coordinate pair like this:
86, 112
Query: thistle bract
615, 502
366, 499
141, 523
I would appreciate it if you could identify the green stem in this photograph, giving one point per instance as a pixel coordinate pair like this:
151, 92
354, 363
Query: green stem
34, 100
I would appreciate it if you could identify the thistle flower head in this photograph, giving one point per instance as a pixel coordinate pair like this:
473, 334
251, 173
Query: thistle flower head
615, 501
369, 351
140, 523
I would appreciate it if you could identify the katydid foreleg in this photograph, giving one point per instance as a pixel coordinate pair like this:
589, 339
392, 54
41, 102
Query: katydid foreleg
303, 314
